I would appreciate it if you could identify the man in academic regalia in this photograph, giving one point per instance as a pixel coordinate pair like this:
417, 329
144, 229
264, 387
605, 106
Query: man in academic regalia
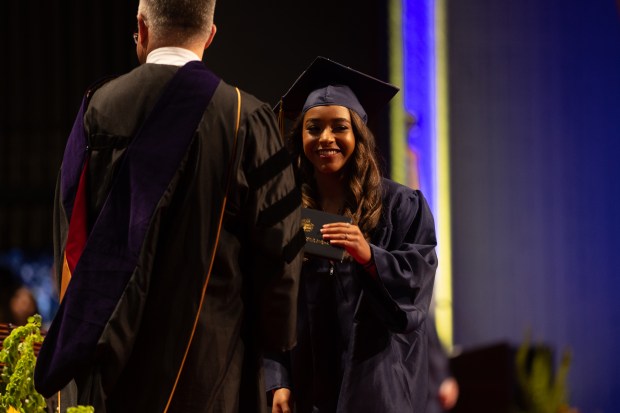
177, 235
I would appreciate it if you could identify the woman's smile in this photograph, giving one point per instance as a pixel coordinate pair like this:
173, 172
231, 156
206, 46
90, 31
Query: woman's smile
327, 153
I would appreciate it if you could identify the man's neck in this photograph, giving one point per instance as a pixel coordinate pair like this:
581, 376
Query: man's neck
175, 56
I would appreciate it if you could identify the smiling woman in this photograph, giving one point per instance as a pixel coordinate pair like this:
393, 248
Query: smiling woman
361, 321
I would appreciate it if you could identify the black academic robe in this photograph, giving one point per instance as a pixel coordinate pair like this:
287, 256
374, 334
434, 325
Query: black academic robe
361, 340
250, 301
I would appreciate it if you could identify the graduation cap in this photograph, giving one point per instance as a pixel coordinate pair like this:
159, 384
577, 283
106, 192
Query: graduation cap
326, 82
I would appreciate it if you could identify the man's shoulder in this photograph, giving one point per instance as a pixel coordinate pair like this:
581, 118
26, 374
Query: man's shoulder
136, 85
250, 103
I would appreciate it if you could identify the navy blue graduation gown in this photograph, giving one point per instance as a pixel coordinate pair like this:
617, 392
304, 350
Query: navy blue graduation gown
361, 340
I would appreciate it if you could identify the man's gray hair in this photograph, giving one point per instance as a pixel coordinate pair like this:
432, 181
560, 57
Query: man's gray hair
178, 17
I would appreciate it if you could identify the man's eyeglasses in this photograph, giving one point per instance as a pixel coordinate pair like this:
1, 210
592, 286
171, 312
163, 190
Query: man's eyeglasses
135, 38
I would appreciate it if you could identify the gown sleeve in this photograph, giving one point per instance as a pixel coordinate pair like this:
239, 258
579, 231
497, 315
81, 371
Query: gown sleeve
400, 285
277, 367
271, 185
276, 239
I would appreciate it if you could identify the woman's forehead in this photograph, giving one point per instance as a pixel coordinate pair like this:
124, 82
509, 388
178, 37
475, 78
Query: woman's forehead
328, 112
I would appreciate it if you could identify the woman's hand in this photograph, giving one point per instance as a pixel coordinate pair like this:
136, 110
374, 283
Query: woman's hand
350, 237
281, 401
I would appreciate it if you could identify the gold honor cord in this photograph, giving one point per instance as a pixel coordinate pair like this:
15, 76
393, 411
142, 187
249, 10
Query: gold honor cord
217, 238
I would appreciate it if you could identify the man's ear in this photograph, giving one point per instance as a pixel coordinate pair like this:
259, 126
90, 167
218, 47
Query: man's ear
143, 32
211, 36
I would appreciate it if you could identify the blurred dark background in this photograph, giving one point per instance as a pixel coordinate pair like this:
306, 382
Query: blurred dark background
534, 110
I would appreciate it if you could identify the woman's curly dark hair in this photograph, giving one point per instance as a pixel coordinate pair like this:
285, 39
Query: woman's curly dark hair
362, 173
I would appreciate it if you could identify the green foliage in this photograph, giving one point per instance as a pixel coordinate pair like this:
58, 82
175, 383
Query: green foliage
17, 377
543, 389
81, 409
